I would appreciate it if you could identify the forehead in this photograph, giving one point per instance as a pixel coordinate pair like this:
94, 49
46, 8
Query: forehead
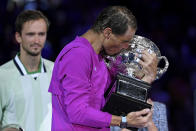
34, 26
128, 35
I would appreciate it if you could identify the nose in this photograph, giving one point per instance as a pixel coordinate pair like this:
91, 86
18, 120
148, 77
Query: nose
36, 39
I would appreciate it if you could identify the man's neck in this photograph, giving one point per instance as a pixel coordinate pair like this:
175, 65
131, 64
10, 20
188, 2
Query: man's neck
95, 40
31, 63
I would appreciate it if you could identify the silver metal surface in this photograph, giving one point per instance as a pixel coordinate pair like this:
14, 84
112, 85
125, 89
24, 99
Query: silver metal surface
126, 62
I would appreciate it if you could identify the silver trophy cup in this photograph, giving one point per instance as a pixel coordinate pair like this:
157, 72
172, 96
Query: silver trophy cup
126, 62
131, 92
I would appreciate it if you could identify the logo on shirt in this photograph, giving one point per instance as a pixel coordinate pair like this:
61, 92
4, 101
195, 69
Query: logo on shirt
95, 68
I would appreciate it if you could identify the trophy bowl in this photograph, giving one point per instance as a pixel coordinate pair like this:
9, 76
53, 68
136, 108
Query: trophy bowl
126, 62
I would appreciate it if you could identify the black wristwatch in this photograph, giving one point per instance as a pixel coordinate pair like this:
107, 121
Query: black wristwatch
123, 123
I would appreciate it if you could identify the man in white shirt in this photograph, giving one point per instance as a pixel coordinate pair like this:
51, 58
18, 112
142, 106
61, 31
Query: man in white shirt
24, 96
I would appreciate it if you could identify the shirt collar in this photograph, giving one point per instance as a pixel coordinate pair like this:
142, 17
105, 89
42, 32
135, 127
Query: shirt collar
21, 67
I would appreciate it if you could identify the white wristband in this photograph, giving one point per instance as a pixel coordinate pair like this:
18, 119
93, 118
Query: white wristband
123, 123
124, 119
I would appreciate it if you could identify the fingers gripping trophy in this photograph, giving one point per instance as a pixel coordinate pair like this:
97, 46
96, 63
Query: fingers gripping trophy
131, 91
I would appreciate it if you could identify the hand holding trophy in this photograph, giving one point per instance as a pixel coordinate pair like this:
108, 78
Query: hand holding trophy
135, 68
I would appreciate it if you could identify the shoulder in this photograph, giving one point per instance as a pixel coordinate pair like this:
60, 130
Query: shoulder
7, 69
159, 105
75, 52
6, 74
49, 64
80, 46
77, 47
160, 109
8, 65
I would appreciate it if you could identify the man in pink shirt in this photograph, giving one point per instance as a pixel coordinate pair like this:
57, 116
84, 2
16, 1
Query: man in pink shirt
80, 76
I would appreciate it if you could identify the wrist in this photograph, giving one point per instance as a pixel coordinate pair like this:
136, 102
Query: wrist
116, 120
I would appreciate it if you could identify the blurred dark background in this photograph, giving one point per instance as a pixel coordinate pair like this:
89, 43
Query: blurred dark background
171, 24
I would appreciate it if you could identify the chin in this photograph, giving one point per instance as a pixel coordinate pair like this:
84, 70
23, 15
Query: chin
34, 53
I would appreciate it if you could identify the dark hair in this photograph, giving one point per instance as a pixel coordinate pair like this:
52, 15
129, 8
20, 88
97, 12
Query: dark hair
118, 18
29, 15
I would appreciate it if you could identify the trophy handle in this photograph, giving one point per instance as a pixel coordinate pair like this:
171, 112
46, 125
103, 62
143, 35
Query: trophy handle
161, 71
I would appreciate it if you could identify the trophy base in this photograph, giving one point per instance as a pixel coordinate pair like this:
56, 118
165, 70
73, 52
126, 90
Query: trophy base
121, 105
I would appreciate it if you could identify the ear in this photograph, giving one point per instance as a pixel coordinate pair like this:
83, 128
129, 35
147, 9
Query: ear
107, 32
18, 37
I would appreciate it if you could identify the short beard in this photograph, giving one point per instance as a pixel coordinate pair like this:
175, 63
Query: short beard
31, 53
